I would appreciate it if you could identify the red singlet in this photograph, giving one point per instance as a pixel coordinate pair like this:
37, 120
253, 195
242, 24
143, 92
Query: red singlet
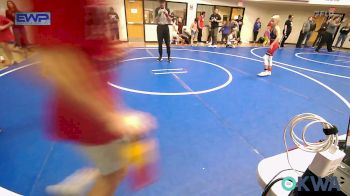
6, 34
77, 23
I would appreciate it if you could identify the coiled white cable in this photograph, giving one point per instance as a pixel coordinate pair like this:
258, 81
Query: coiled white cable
302, 143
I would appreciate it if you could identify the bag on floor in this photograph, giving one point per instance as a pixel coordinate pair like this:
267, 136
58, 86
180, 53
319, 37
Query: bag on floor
261, 40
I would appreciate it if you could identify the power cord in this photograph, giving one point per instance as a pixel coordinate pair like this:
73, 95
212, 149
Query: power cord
301, 143
331, 139
273, 181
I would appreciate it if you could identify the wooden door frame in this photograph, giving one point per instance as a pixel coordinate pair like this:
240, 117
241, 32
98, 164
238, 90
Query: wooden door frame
143, 20
126, 22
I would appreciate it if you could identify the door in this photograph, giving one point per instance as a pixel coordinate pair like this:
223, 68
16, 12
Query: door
236, 12
134, 17
319, 21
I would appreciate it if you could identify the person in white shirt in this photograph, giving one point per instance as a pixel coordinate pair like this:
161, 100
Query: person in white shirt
232, 39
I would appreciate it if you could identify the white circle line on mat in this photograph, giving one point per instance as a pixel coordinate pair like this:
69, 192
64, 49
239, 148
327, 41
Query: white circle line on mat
229, 80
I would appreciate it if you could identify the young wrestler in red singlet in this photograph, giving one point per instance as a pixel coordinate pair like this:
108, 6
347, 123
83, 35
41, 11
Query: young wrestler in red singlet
275, 38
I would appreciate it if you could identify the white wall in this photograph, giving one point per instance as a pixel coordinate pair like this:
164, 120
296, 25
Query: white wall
119, 7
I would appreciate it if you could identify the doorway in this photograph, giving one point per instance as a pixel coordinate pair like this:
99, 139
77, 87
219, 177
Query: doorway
134, 18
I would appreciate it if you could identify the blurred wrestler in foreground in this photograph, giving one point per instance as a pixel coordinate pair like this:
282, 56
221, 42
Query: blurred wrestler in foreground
75, 55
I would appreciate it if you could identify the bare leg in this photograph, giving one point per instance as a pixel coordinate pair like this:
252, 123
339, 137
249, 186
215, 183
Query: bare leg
7, 52
25, 52
107, 185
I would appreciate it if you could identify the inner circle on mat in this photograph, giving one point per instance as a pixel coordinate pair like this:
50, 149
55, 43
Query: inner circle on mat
183, 73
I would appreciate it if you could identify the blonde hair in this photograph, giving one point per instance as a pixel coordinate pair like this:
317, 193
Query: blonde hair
277, 18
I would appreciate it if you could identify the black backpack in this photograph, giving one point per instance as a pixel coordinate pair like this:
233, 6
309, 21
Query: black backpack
261, 40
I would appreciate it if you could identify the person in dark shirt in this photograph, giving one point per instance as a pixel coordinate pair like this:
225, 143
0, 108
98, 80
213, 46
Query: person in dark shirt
320, 32
225, 30
180, 25
344, 31
240, 24
200, 26
214, 19
327, 37
257, 27
114, 23
288, 25
18, 30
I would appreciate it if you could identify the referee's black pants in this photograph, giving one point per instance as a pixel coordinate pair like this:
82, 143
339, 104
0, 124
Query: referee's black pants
327, 38
163, 34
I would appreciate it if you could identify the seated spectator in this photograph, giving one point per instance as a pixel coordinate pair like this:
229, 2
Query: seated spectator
232, 39
186, 36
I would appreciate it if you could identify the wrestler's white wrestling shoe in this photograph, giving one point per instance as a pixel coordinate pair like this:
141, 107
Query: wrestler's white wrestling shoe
265, 73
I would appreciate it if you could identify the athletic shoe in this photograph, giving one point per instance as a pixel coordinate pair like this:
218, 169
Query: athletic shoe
215, 46
265, 73
210, 46
317, 51
159, 59
76, 184
169, 60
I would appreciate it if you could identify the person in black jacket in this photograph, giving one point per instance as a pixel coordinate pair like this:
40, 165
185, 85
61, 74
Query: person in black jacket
327, 37
288, 25
215, 18
320, 33
344, 31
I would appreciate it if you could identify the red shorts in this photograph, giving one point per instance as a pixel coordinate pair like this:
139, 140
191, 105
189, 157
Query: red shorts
273, 48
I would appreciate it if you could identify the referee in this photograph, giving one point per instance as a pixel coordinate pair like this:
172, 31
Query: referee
163, 19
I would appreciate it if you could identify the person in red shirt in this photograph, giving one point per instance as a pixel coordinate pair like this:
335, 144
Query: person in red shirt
75, 55
6, 37
200, 26
18, 30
